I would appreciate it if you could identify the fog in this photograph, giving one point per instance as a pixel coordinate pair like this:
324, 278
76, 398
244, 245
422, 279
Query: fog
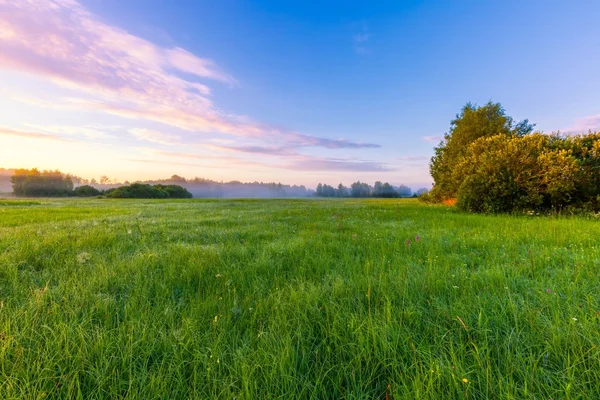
206, 188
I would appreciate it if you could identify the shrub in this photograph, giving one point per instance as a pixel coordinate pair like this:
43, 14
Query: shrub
86, 191
145, 191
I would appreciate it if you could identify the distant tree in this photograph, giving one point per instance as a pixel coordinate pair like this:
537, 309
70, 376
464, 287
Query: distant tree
104, 180
421, 191
388, 191
32, 182
342, 191
359, 189
377, 189
404, 191
319, 190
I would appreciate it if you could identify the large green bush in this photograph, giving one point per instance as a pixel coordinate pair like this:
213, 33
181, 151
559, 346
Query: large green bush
514, 169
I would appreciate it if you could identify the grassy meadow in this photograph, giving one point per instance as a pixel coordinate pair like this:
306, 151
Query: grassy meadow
286, 299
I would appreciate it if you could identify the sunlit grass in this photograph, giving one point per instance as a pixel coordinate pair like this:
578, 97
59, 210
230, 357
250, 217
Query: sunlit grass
295, 299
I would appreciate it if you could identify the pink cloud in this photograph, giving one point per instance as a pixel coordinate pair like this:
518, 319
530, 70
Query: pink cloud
155, 137
591, 123
33, 135
123, 74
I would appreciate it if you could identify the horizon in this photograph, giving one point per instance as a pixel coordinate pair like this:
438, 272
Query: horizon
274, 92
81, 180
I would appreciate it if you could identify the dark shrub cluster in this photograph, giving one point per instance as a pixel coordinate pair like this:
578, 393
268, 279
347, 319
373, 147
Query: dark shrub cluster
145, 191
86, 191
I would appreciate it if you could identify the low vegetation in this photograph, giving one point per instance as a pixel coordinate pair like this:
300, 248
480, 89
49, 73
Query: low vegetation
354, 298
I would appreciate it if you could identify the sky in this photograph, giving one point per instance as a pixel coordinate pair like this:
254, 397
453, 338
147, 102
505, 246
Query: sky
297, 92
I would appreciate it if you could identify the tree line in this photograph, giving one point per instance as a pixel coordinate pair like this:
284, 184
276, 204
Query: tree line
36, 183
362, 189
488, 163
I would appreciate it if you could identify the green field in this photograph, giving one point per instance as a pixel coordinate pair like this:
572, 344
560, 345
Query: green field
265, 299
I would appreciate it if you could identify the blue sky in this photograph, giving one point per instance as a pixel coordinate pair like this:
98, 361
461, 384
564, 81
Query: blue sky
291, 91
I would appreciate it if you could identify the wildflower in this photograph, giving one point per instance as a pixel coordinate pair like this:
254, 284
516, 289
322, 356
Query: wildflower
548, 290
82, 258
217, 276
465, 380
574, 319
216, 318
455, 287
129, 231
417, 238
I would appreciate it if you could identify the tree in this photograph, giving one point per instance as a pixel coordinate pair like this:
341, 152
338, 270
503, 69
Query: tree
319, 190
470, 124
377, 189
41, 183
404, 191
359, 189
421, 191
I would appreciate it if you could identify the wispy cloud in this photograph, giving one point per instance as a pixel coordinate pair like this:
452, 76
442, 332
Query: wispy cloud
264, 150
361, 39
414, 158
305, 140
435, 139
155, 136
323, 164
583, 125
125, 75
291, 161
32, 135
88, 131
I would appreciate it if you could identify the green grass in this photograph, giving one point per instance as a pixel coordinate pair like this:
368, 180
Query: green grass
265, 299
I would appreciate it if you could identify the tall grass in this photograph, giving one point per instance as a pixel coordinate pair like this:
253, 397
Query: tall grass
295, 299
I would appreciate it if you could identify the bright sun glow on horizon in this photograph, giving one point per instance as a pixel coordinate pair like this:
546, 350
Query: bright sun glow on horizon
89, 92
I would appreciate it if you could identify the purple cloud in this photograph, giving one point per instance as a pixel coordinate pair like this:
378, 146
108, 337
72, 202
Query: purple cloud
322, 164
